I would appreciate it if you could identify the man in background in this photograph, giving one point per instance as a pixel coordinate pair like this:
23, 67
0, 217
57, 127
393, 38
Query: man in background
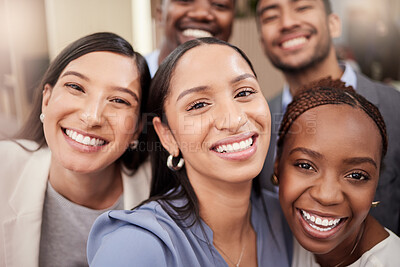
185, 20
296, 36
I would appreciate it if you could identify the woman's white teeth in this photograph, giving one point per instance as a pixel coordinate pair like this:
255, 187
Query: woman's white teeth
294, 42
196, 33
235, 147
315, 221
86, 140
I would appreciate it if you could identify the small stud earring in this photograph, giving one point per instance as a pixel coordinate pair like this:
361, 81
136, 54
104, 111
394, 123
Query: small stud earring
274, 180
134, 144
374, 204
41, 117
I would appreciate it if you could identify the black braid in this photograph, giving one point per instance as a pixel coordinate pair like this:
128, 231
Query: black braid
325, 92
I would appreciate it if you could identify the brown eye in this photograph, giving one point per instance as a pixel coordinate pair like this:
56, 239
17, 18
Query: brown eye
358, 176
197, 105
305, 166
75, 87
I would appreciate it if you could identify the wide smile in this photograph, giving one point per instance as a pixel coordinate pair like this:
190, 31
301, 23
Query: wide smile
84, 139
320, 226
238, 147
294, 43
196, 33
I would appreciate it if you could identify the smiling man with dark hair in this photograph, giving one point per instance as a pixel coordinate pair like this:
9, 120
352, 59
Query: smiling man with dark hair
183, 20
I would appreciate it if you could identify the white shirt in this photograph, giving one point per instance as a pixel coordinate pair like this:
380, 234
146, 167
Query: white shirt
383, 254
152, 61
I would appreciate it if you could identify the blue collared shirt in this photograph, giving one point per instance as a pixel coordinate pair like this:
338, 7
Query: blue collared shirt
148, 236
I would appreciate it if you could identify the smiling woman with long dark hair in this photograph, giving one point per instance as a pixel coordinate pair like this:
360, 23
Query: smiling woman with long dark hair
206, 207
75, 156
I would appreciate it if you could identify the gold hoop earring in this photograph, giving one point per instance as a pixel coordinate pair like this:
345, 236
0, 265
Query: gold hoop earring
274, 180
374, 204
171, 166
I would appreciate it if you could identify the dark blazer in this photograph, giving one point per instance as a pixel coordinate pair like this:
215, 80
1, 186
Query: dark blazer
387, 99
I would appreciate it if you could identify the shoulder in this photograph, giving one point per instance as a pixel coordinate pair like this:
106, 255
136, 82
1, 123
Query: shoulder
131, 237
275, 104
19, 153
18, 147
271, 199
384, 253
378, 93
137, 185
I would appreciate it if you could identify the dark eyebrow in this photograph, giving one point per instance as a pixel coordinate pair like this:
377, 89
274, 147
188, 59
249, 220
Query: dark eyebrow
243, 77
359, 160
192, 90
307, 151
74, 73
126, 90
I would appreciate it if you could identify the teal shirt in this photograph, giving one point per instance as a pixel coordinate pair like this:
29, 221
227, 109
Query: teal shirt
148, 236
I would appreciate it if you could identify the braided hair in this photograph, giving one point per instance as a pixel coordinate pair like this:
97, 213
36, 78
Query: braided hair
329, 92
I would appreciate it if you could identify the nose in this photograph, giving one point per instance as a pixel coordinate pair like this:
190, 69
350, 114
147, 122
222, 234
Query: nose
229, 116
288, 20
92, 113
201, 11
327, 190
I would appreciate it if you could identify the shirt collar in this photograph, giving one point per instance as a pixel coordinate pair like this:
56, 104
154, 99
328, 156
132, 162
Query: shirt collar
348, 77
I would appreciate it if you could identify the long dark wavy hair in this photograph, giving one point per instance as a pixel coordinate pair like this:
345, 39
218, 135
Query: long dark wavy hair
101, 41
168, 185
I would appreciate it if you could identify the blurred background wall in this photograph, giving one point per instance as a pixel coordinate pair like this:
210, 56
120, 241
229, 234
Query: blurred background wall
34, 31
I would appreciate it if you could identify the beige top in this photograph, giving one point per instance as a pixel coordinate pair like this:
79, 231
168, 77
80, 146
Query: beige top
23, 181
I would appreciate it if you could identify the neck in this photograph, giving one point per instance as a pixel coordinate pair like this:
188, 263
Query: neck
226, 210
328, 67
98, 190
165, 50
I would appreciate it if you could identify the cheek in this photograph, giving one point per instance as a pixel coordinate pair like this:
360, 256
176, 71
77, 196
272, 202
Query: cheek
260, 116
361, 201
125, 124
192, 132
291, 188
191, 125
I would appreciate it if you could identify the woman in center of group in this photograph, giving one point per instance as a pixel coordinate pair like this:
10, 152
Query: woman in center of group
206, 207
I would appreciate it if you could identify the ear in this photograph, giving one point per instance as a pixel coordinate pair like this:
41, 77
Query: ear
335, 25
47, 90
166, 137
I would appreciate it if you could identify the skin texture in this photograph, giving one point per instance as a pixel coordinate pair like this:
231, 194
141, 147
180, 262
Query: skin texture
330, 166
218, 103
96, 95
212, 16
312, 58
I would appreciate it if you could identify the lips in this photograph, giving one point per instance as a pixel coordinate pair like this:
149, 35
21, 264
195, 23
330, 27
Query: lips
320, 226
295, 42
84, 139
196, 33
235, 147
238, 148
